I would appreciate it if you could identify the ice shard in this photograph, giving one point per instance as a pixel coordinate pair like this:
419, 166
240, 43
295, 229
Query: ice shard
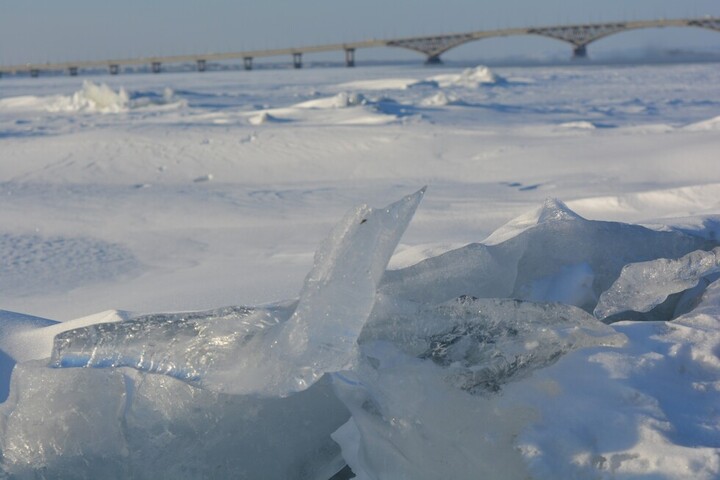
644, 285
264, 351
550, 254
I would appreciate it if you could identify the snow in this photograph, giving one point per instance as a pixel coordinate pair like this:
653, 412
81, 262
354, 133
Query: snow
186, 209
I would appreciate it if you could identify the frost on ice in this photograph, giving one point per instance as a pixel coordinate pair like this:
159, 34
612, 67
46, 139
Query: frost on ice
465, 365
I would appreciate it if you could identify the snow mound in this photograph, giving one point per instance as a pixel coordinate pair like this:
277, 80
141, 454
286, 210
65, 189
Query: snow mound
468, 78
440, 99
645, 285
93, 98
711, 124
100, 98
382, 84
683, 201
262, 118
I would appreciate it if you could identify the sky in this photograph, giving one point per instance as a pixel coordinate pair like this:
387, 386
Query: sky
38, 31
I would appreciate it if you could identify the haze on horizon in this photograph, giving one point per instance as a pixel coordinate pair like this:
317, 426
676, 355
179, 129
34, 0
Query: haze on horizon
37, 31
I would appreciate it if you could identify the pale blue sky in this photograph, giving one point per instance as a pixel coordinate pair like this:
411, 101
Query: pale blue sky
58, 30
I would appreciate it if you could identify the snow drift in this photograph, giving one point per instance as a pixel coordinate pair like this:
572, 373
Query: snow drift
484, 361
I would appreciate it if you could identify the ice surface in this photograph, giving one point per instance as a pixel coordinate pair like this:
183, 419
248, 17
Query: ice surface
642, 286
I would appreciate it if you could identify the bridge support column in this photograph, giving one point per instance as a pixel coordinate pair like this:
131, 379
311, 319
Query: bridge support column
73, 71
156, 67
580, 52
297, 60
34, 73
201, 64
247, 62
433, 60
350, 57
114, 69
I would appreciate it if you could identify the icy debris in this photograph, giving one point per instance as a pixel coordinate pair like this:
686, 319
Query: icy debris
203, 178
468, 78
644, 285
101, 98
93, 98
261, 351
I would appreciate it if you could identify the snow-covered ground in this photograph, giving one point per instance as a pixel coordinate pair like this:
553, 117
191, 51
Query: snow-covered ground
138, 194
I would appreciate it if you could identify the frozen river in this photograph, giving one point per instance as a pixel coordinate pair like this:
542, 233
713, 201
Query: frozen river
137, 194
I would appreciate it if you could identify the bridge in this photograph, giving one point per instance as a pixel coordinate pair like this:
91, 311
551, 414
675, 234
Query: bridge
578, 36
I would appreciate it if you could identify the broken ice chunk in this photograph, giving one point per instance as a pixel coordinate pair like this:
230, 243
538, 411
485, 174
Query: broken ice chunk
338, 295
645, 285
264, 351
180, 345
549, 254
484, 343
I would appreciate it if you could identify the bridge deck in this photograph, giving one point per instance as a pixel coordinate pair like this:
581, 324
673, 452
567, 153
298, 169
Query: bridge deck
433, 45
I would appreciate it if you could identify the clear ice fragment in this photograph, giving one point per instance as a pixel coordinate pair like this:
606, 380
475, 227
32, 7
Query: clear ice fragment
644, 285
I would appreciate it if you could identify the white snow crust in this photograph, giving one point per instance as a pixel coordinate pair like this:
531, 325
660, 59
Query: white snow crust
552, 309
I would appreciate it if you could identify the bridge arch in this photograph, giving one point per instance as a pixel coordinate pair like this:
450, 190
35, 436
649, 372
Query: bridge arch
578, 36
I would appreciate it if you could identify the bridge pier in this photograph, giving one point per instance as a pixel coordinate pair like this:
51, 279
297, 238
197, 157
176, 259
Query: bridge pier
433, 60
114, 69
73, 71
201, 64
297, 60
156, 67
350, 57
247, 62
34, 73
580, 52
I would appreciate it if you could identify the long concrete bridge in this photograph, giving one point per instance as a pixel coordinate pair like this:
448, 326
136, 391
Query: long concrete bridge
578, 36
